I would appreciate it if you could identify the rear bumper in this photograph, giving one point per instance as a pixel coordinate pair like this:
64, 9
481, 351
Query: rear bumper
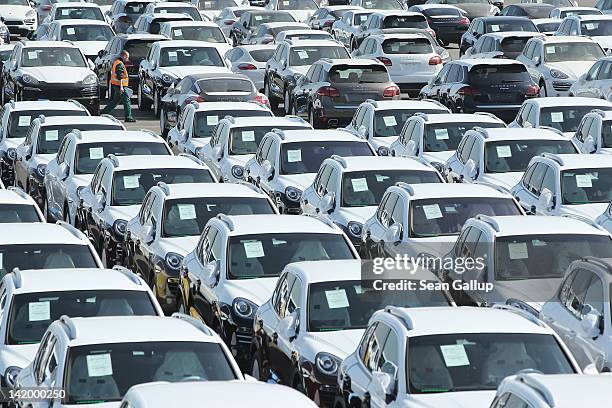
449, 34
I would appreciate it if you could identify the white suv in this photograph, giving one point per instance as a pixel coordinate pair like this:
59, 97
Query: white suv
594, 134
408, 358
16, 206
500, 156
170, 222
33, 299
235, 141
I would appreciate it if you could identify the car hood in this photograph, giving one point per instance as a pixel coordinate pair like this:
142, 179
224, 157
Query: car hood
605, 41
67, 75
440, 157
91, 47
506, 180
16, 11
475, 9
19, 355
257, 290
359, 214
241, 159
126, 212
340, 343
301, 181
464, 399
435, 246
13, 142
572, 68
301, 15
180, 72
531, 291
181, 245
43, 158
82, 179
590, 211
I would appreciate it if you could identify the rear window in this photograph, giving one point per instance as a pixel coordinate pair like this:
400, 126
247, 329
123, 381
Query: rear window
489, 74
405, 22
514, 44
359, 19
537, 12
513, 25
19, 121
217, 5
596, 28
222, 85
549, 27
300, 56
359, 74
262, 55
188, 11
135, 8
274, 17
407, 46
437, 12
382, 5
138, 49
79, 13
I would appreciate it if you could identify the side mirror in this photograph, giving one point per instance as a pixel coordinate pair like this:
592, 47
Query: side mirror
536, 61
64, 171
217, 152
546, 201
183, 134
590, 323
328, 203
394, 234
411, 148
148, 234
362, 132
589, 144
100, 201
470, 171
289, 326
384, 381
212, 273
101, 53
268, 170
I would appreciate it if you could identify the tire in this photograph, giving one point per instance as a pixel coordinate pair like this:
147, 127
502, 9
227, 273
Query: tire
182, 308
298, 385
287, 101
314, 122
257, 370
162, 123
272, 99
156, 104
543, 92
143, 103
46, 213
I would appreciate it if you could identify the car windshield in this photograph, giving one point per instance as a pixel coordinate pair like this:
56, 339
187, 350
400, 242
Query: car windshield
133, 8
188, 11
514, 155
138, 49
245, 141
355, 74
549, 27
544, 256
270, 17
514, 44
223, 86
32, 313
566, 118
130, 186
306, 157
297, 5
119, 366
14, 3
206, 121
366, 188
52, 57
5, 54
510, 25
300, 56
382, 5
88, 155
606, 134
45, 256
407, 46
14, 213
557, 3
479, 361
262, 55
199, 56
344, 305
574, 51
216, 5
51, 137
585, 186
389, 122
265, 255
188, 216
209, 34
487, 75
444, 137
87, 33
416, 21
596, 28
308, 36
359, 19
19, 121
79, 13
445, 216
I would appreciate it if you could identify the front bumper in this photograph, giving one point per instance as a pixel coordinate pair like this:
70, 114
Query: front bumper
451, 34
19, 27
88, 96
559, 87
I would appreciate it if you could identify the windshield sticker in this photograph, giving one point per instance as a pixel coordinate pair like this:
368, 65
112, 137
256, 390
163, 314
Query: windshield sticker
302, 54
551, 49
99, 365
518, 250
253, 249
32, 55
454, 355
172, 56
52, 135
441, 134
584, 181
96, 153
212, 120
336, 299
380, 178
39, 311
590, 26
162, 11
360, 184
390, 120
70, 31
432, 211
257, 18
132, 181
294, 156
187, 211
248, 136
178, 33
494, 27
556, 117
277, 242
65, 12
24, 121
503, 151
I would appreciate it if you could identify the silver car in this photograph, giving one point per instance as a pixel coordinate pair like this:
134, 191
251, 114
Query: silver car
345, 29
596, 83
250, 60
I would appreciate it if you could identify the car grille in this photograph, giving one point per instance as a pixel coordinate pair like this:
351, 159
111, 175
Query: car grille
244, 336
13, 22
561, 86
327, 394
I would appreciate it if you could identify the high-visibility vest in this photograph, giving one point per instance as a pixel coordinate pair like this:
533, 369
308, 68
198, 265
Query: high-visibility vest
116, 81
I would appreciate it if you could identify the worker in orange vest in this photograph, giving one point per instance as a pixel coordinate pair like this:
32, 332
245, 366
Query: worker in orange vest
119, 83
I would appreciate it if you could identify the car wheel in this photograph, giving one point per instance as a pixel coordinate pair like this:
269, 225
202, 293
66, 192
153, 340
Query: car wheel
271, 99
143, 104
543, 92
162, 123
257, 368
104, 257
46, 213
156, 104
287, 101
314, 122
298, 385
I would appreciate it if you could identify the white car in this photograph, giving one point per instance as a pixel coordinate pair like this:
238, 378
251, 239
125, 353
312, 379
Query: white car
228, 16
410, 59
97, 359
235, 141
562, 12
547, 26
33, 299
597, 82
267, 33
594, 134
298, 35
301, 10
74, 11
16, 206
381, 122
344, 29
197, 122
321, 317
91, 36
408, 359
197, 31
250, 60
556, 62
19, 16
73, 167
500, 156
211, 10
596, 27
559, 184
504, 44
169, 225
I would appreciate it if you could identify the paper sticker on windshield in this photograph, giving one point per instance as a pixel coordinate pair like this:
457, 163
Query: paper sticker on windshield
302, 54
336, 299
441, 134
257, 18
584, 181
65, 12
359, 184
70, 31
131, 181
504, 151
590, 26
248, 136
1, 260
432, 211
187, 211
32, 55
454, 355
253, 249
381, 178
389, 120
556, 117
212, 120
52, 135
208, 4
277, 242
286, 3
162, 11
24, 120
294, 156
518, 250
494, 27
551, 49
96, 153
178, 32
172, 56
99, 365
39, 311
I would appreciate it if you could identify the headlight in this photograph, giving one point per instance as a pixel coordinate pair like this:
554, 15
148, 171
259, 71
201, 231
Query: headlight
90, 79
29, 79
41, 170
3, 29
11, 153
173, 261
10, 375
238, 171
167, 79
293, 194
383, 151
244, 308
119, 227
327, 363
555, 73
30, 13
355, 228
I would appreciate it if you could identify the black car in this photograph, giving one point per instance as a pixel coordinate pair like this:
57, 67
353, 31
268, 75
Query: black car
495, 24
529, 10
138, 45
498, 86
331, 90
251, 19
448, 22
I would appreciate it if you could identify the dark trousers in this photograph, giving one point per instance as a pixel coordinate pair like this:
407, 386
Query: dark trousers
116, 97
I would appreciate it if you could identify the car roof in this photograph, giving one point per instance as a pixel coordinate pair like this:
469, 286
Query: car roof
554, 39
155, 162
49, 44
300, 43
39, 233
74, 4
386, 13
186, 43
562, 101
142, 36
437, 6
537, 21
497, 134
99, 136
172, 4
208, 106
76, 21
47, 105
285, 24
472, 62
459, 117
504, 34
271, 223
187, 23
593, 17
67, 120
269, 121
310, 135
511, 225
360, 163
534, 6
582, 161
442, 190
407, 104
578, 8
11, 196
252, 47
194, 190
342, 7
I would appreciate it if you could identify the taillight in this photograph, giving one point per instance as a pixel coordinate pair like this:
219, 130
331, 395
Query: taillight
532, 90
468, 90
229, 22
246, 67
385, 61
391, 91
435, 60
328, 91
464, 21
261, 98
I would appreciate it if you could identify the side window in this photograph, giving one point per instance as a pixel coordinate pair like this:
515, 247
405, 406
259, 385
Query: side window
294, 300
365, 340
390, 352
278, 290
407, 132
441, 78
323, 180
271, 153
594, 131
577, 292
604, 71
594, 296
381, 208
207, 243
332, 182
536, 179
475, 152
262, 149
357, 117
527, 176
549, 180
592, 74
374, 346
453, 74
467, 149
397, 216
283, 297
388, 210
515, 401
216, 247
525, 114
